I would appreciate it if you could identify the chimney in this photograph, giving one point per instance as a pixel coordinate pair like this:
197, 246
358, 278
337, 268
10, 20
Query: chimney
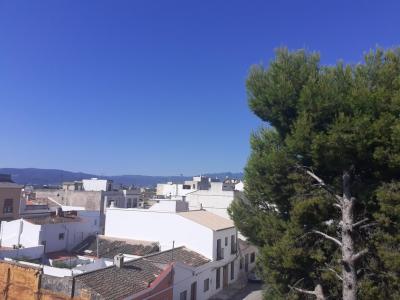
119, 260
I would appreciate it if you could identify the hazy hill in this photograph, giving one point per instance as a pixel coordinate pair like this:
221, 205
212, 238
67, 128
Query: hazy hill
55, 177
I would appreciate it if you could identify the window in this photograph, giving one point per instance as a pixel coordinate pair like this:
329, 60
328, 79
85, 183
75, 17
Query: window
241, 263
226, 241
252, 257
193, 291
232, 270
8, 206
183, 295
220, 254
194, 186
206, 285
218, 278
61, 236
233, 245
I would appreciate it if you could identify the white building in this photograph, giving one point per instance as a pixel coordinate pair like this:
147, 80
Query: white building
133, 198
171, 190
210, 235
216, 199
55, 232
95, 184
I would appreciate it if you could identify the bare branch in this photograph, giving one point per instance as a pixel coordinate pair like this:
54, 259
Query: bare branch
368, 225
322, 184
360, 222
358, 255
317, 292
334, 272
328, 237
302, 290
337, 205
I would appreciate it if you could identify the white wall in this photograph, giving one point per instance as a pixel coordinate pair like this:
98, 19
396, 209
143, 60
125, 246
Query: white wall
29, 235
19, 232
172, 190
213, 200
30, 253
222, 234
184, 276
162, 227
74, 233
169, 206
94, 184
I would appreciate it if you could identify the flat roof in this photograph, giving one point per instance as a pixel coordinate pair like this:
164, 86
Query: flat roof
10, 185
52, 219
208, 219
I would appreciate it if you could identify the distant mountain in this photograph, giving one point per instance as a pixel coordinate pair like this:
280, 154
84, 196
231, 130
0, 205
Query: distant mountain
56, 177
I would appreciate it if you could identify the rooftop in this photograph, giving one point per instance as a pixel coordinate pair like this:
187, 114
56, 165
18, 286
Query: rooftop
181, 254
109, 247
207, 219
52, 219
9, 185
137, 275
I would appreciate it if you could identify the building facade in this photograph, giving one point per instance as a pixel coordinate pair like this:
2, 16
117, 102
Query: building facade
10, 198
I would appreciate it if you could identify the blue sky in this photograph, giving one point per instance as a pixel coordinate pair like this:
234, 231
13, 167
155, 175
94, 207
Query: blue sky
156, 87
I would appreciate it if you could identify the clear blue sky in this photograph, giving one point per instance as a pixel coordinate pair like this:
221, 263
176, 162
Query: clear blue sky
156, 87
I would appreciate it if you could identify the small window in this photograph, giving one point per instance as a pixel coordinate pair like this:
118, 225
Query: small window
232, 270
241, 263
206, 285
233, 245
8, 206
226, 241
61, 236
183, 295
252, 257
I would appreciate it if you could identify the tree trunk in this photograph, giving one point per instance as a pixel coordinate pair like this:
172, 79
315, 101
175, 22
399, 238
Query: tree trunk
349, 274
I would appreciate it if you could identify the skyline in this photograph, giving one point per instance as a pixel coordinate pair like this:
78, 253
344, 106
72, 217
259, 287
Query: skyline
154, 88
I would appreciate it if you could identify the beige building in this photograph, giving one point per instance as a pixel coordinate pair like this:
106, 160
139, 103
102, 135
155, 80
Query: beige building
10, 197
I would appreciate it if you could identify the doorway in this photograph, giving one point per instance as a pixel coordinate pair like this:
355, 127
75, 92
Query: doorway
225, 277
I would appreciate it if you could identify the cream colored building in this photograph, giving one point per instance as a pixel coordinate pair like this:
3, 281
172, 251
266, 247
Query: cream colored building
10, 197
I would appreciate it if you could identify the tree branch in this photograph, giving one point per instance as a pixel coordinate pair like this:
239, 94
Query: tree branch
322, 184
360, 222
337, 205
368, 225
328, 237
358, 255
302, 290
334, 272
317, 292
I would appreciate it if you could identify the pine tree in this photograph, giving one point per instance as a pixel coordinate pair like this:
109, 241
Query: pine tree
332, 142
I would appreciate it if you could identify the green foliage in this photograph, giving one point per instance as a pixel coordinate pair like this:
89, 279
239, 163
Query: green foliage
330, 118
